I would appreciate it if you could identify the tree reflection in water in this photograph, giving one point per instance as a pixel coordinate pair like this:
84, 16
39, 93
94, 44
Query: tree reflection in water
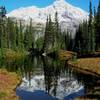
54, 73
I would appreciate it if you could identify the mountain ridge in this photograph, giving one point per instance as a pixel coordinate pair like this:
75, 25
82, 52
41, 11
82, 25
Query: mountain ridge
69, 16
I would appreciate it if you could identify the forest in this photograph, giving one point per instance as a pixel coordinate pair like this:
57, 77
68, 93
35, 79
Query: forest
48, 60
16, 36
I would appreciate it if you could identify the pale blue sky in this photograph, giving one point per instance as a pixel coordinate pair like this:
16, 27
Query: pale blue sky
13, 4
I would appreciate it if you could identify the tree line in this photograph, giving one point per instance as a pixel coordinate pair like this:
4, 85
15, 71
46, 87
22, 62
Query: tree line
87, 39
14, 35
19, 37
54, 38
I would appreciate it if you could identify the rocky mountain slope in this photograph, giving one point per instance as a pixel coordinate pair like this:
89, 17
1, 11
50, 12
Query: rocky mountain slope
68, 15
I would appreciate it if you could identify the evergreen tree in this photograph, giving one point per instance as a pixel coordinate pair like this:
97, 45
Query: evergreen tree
0, 33
94, 22
91, 31
11, 34
2, 12
85, 46
98, 28
95, 13
21, 37
81, 45
71, 42
49, 35
85, 36
30, 34
3, 33
56, 33
78, 40
90, 26
65, 40
26, 39
17, 35
46, 35
14, 35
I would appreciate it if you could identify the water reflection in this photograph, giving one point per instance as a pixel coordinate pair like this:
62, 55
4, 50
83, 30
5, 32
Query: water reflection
60, 81
47, 79
48, 75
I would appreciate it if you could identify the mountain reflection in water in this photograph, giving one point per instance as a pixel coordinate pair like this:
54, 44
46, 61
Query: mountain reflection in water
44, 78
49, 79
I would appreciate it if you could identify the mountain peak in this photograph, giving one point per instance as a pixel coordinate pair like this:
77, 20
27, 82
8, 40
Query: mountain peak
60, 1
69, 16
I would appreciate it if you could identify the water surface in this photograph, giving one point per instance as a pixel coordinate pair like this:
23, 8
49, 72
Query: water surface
44, 78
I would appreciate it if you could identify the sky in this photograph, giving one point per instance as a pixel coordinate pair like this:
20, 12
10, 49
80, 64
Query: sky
14, 4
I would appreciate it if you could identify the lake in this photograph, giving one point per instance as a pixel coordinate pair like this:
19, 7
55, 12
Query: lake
45, 78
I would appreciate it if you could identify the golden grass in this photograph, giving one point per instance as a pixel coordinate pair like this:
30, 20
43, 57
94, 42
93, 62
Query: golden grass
8, 82
10, 54
65, 55
88, 64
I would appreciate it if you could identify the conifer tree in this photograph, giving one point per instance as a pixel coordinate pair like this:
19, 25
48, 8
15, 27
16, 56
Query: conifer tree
21, 37
91, 31
98, 28
17, 35
78, 39
90, 27
95, 13
94, 22
65, 40
26, 39
30, 34
82, 39
3, 34
49, 35
56, 33
46, 35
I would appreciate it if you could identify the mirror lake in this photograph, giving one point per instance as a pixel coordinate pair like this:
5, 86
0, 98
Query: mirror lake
45, 78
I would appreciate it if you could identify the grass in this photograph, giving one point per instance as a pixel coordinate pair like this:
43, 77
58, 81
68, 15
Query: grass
9, 54
87, 64
66, 55
8, 82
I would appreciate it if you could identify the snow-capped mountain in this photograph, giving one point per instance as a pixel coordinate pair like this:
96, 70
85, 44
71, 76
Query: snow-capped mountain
68, 15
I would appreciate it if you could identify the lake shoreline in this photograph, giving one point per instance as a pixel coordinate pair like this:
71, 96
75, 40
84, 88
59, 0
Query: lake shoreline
89, 65
68, 56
